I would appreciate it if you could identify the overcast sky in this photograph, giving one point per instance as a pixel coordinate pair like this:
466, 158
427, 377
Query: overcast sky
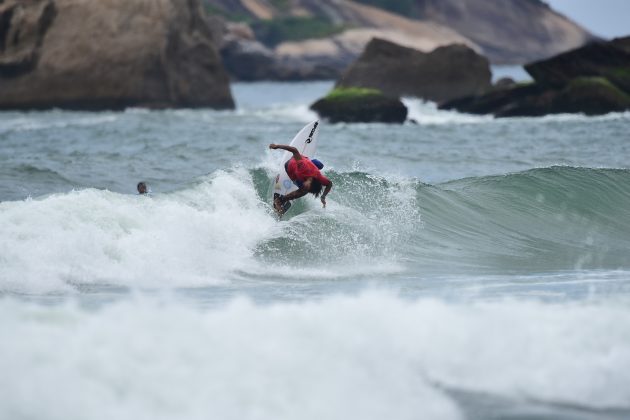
606, 18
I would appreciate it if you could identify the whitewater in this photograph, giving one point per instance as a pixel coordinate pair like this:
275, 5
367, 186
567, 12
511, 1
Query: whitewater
464, 268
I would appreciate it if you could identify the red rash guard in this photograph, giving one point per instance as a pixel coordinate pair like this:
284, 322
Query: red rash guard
299, 170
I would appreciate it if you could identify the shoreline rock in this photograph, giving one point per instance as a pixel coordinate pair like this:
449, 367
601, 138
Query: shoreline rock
109, 54
592, 80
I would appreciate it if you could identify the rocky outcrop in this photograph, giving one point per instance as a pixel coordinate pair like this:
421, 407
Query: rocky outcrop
22, 30
610, 60
505, 31
335, 53
592, 80
109, 54
508, 31
446, 73
360, 105
323, 57
243, 56
247, 59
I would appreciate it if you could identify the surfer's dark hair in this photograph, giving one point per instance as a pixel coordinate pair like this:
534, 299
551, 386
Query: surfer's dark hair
316, 187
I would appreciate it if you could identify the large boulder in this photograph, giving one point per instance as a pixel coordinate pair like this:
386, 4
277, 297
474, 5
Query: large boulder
604, 59
360, 105
444, 74
109, 54
592, 80
586, 95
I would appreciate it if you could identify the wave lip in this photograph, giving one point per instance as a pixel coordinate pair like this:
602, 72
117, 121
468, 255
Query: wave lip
221, 228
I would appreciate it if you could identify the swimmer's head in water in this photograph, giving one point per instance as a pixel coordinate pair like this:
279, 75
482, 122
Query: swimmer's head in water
142, 188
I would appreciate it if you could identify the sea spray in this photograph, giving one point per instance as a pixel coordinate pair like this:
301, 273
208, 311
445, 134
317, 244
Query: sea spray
374, 355
195, 236
221, 228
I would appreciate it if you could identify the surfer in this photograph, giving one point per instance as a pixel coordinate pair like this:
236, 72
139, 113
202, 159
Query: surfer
304, 173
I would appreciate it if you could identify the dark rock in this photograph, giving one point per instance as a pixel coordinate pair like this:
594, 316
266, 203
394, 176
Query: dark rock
588, 95
605, 59
248, 60
504, 83
360, 105
446, 73
591, 96
498, 102
109, 54
593, 80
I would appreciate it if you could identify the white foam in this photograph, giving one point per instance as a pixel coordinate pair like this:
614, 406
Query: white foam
193, 237
54, 120
291, 112
427, 113
613, 116
373, 356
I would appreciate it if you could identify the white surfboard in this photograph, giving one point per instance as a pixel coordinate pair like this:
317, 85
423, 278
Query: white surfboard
306, 142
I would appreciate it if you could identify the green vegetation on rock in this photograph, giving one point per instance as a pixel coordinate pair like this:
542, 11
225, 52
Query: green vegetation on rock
355, 104
352, 93
621, 77
273, 32
600, 82
622, 72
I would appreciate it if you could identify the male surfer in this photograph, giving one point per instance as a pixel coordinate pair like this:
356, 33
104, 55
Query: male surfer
305, 174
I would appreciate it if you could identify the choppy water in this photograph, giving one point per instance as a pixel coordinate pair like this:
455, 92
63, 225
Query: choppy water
465, 267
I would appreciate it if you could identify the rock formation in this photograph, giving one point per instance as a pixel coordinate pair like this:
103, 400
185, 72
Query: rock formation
321, 57
508, 31
360, 105
446, 73
108, 54
505, 31
593, 80
610, 60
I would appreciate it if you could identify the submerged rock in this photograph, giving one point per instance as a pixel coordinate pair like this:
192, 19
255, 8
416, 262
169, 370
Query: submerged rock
109, 54
360, 105
446, 73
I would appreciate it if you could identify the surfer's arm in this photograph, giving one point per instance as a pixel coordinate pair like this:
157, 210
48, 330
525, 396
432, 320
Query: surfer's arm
296, 194
325, 193
296, 153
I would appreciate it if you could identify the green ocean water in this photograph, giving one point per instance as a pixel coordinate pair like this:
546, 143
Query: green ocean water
464, 267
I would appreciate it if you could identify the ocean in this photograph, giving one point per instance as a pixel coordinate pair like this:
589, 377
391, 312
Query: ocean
464, 268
